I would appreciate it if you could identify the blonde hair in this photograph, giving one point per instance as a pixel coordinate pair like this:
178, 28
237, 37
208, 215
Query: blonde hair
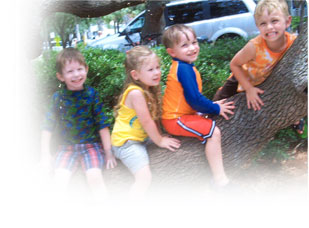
135, 58
270, 6
171, 36
68, 55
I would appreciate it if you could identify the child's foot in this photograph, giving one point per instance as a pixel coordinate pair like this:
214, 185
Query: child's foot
227, 188
299, 126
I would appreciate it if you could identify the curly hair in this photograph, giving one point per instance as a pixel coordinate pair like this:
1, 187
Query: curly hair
135, 58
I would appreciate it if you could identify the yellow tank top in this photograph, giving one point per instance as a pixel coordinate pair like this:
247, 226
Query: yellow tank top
259, 69
127, 126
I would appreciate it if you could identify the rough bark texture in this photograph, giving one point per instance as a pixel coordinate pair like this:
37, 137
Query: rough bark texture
90, 8
285, 103
244, 134
154, 22
35, 11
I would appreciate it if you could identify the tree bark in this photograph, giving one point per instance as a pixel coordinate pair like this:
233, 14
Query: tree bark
90, 8
244, 134
285, 102
35, 11
154, 22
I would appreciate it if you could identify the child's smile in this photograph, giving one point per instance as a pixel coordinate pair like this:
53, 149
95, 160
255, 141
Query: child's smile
272, 25
77, 80
187, 49
73, 75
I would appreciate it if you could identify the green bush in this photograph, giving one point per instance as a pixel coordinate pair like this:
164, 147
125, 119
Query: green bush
107, 74
283, 143
296, 21
214, 63
45, 71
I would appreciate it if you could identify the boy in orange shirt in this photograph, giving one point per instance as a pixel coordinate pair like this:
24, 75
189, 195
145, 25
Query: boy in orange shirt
183, 99
256, 60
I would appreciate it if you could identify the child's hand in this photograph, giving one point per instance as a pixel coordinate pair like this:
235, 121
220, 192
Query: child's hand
225, 108
169, 143
110, 161
253, 99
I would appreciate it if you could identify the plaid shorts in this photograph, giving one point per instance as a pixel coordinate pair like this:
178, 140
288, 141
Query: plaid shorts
88, 155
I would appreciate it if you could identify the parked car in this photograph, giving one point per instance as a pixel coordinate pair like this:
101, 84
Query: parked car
211, 20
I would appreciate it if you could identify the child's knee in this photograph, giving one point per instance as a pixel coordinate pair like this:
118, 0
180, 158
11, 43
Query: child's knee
143, 175
94, 176
217, 133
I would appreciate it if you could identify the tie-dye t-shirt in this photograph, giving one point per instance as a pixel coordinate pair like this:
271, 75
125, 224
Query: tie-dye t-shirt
259, 69
78, 115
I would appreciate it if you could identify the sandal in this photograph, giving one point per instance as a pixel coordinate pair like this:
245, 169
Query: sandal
299, 128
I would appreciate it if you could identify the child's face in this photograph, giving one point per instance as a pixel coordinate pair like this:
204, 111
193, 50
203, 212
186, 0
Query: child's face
149, 72
187, 49
273, 25
73, 75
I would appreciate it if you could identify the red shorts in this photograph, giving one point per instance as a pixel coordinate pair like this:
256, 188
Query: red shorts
191, 126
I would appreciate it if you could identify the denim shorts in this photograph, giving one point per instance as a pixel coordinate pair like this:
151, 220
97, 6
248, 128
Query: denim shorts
133, 154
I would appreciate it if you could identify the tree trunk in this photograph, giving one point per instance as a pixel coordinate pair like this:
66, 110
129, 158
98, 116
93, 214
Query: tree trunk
153, 21
244, 134
85, 9
35, 11
285, 100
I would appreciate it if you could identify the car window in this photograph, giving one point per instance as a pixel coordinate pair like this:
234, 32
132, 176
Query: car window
185, 13
226, 8
137, 25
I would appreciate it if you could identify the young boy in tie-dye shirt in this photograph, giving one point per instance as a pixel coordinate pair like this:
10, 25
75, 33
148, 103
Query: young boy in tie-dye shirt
256, 60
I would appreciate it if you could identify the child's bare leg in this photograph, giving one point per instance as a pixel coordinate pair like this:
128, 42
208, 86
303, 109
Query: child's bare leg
61, 180
141, 184
213, 153
96, 183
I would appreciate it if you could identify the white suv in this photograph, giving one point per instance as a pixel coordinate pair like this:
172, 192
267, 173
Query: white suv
211, 20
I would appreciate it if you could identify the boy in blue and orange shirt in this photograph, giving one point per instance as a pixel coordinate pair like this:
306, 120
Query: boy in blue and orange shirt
183, 99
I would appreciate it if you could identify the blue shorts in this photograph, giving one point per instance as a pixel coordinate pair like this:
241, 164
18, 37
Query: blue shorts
88, 155
133, 154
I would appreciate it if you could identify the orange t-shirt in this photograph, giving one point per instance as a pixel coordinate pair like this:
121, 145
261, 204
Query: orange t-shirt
259, 69
183, 93
174, 102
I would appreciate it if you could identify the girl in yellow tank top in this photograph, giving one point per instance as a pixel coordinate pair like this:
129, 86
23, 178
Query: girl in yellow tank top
136, 115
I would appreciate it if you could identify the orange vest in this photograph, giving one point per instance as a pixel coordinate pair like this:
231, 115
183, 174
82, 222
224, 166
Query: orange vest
174, 102
259, 69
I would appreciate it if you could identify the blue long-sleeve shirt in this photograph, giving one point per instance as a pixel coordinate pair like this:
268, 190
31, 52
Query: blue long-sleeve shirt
183, 92
187, 78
